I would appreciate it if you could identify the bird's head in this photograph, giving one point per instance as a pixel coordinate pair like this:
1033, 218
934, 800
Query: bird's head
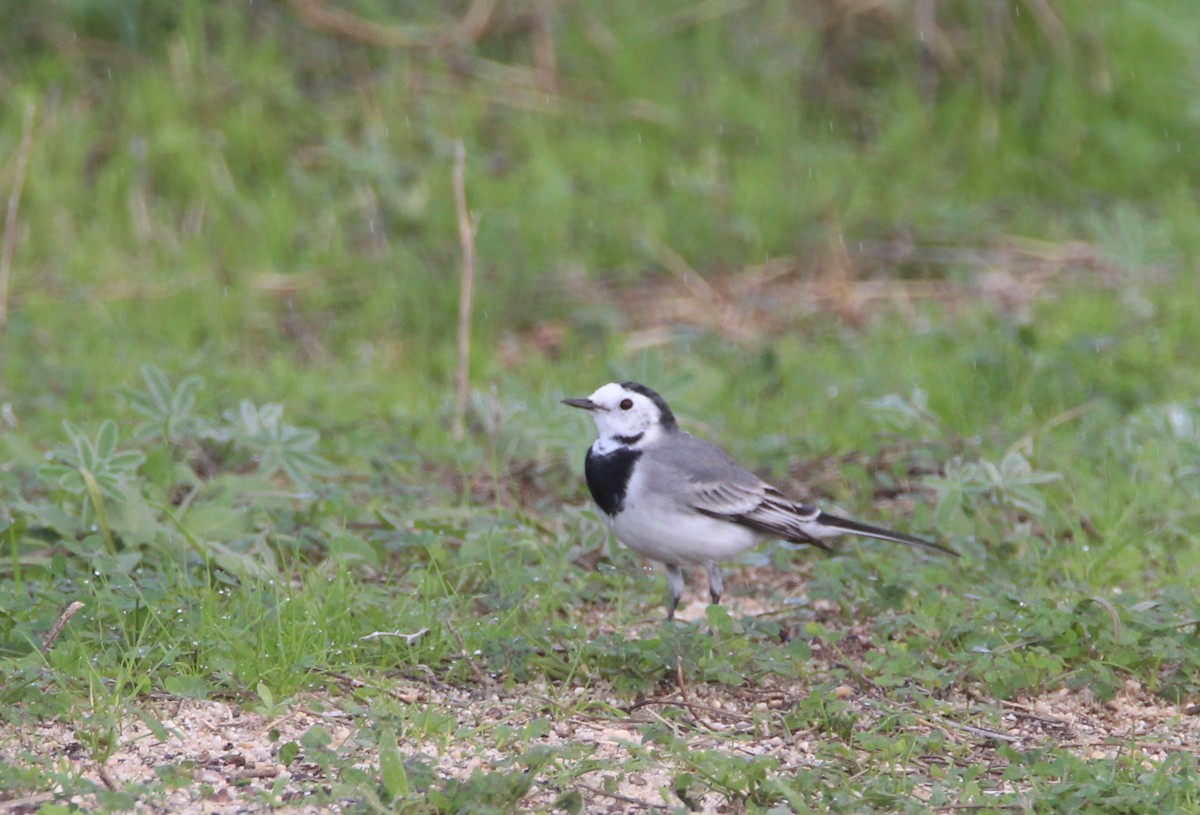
626, 414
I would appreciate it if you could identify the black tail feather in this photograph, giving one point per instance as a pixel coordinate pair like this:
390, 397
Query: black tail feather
868, 531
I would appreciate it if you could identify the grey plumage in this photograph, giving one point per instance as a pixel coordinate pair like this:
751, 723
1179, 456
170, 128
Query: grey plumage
704, 477
683, 500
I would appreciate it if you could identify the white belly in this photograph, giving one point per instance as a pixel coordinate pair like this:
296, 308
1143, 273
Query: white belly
661, 532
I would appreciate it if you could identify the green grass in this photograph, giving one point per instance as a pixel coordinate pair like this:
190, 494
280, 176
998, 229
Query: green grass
229, 358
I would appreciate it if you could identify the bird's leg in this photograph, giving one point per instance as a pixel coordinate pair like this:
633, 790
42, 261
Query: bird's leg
715, 586
675, 584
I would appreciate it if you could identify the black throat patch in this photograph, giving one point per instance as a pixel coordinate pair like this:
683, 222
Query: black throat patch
608, 477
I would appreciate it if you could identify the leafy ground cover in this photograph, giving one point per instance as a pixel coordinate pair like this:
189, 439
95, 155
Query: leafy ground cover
248, 563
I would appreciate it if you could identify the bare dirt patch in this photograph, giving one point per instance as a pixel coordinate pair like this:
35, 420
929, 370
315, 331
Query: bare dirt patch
217, 757
221, 756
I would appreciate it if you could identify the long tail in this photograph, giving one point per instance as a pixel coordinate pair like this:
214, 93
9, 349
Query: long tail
834, 524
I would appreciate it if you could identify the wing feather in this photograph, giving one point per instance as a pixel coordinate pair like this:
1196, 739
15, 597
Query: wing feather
760, 506
713, 484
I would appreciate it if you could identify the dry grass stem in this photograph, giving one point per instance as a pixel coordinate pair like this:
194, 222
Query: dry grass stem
316, 14
466, 297
63, 619
624, 799
476, 21
483, 679
852, 284
397, 634
9, 246
545, 53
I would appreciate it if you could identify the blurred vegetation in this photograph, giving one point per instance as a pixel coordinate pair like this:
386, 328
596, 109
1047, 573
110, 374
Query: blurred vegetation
225, 377
235, 179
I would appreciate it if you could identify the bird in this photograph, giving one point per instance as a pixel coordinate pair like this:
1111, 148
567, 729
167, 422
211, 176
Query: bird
682, 501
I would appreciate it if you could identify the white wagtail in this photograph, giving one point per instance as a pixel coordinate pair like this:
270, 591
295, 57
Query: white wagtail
680, 500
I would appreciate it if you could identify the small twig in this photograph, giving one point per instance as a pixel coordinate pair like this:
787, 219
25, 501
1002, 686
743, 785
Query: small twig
681, 682
14, 205
1053, 28
1023, 444
106, 777
398, 634
466, 238
1089, 529
982, 732
1148, 746
315, 14
625, 799
545, 56
690, 706
476, 21
1112, 613
935, 719
861, 679
483, 678
63, 619
720, 312
253, 772
405, 695
695, 14
27, 804
1027, 712
1121, 744
689, 277
686, 697
278, 720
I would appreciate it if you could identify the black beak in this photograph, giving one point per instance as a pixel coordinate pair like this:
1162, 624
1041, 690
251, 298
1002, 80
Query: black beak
586, 404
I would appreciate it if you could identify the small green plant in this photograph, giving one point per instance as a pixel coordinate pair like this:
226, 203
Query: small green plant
1162, 443
1012, 483
148, 499
275, 446
746, 781
906, 414
167, 412
259, 433
95, 470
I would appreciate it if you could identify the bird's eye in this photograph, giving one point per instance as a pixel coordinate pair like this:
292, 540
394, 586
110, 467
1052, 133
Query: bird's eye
626, 404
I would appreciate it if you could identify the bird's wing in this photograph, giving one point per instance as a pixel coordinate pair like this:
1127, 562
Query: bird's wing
712, 483
760, 506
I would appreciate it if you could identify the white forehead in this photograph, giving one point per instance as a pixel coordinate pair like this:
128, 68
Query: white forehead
611, 394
